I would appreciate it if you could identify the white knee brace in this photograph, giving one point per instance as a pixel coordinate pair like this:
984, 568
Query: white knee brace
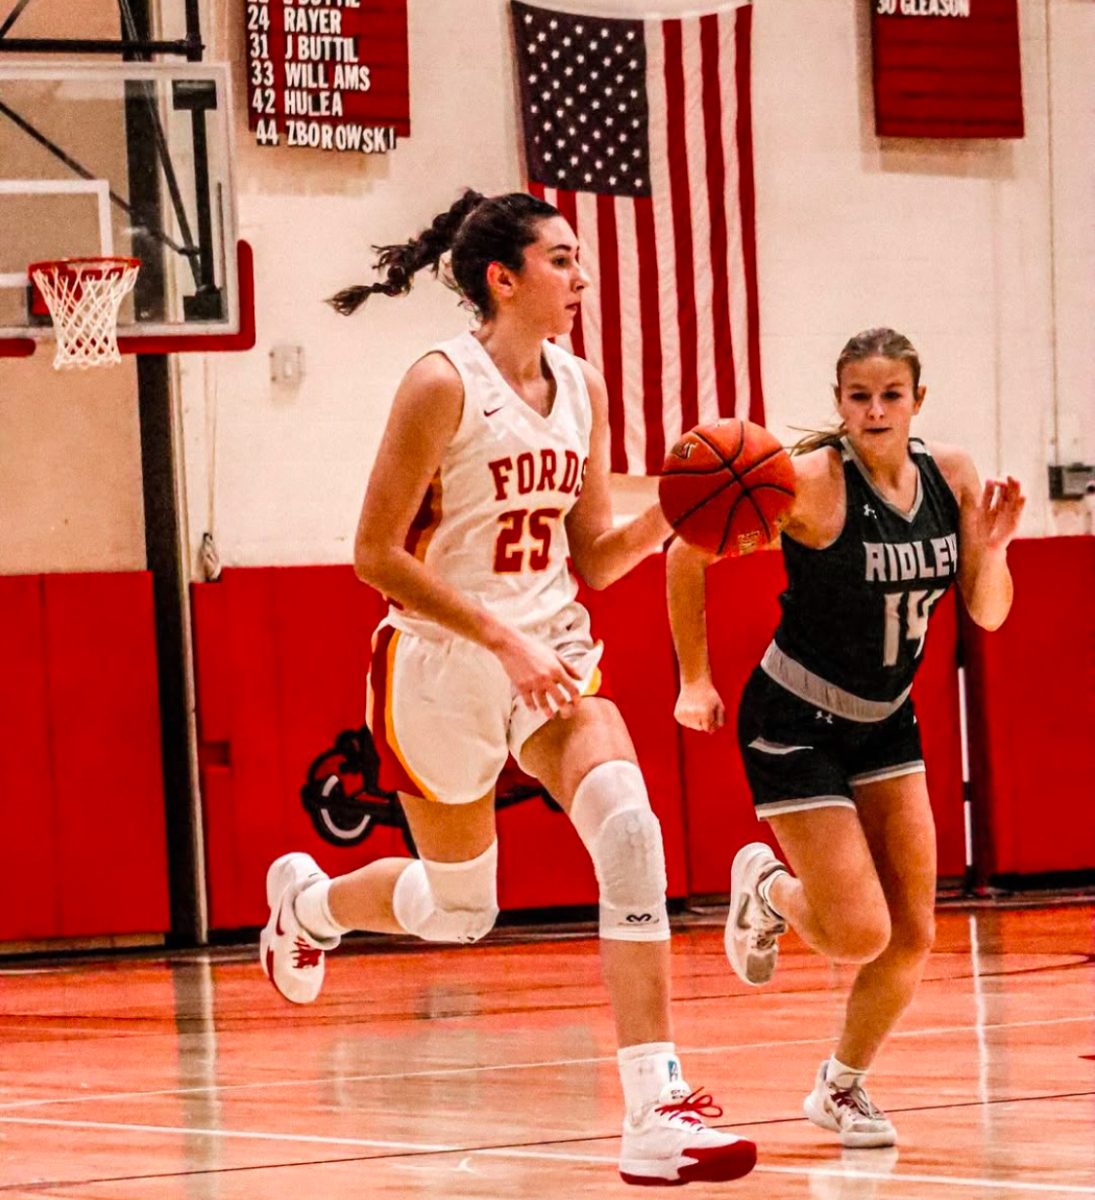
448, 902
613, 817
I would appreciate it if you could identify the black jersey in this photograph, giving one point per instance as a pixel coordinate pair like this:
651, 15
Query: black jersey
856, 613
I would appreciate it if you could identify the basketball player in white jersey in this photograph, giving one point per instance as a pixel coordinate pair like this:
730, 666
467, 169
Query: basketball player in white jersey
492, 471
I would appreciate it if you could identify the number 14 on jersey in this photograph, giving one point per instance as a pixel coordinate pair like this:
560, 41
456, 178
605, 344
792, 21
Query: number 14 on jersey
912, 610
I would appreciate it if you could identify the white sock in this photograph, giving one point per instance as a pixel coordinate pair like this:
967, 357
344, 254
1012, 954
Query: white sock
765, 891
841, 1075
314, 911
645, 1071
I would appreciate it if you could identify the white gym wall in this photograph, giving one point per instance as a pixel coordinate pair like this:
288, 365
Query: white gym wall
983, 252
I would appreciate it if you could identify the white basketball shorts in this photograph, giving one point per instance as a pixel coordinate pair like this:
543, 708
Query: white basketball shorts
443, 713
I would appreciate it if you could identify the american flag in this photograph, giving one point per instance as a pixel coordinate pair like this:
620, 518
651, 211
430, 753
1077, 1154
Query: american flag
639, 132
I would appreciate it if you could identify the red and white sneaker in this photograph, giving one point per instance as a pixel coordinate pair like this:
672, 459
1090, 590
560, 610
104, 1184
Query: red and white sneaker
673, 1145
849, 1112
292, 958
752, 928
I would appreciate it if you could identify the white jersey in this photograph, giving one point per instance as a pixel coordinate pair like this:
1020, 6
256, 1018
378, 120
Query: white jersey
492, 521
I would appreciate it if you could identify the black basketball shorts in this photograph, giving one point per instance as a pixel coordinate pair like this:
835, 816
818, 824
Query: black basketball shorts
798, 756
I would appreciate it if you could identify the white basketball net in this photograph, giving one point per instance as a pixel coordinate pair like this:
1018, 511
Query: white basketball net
83, 296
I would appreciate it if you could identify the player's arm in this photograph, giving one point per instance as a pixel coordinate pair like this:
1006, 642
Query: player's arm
817, 513
424, 417
600, 552
988, 519
815, 519
699, 705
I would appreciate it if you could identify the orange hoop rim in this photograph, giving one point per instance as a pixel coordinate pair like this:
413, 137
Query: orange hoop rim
106, 262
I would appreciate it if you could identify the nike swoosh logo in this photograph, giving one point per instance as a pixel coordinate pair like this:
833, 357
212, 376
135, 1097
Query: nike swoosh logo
277, 925
489, 412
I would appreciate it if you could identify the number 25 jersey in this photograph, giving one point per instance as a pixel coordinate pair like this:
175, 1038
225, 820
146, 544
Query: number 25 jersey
856, 612
492, 522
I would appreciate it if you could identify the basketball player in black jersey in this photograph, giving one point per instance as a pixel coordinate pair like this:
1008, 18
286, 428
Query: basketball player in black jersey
882, 525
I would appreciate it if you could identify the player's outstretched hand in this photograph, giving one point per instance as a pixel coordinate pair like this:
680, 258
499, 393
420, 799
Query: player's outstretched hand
543, 680
699, 706
1000, 510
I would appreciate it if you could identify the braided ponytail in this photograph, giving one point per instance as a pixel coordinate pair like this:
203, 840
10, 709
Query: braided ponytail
477, 229
402, 261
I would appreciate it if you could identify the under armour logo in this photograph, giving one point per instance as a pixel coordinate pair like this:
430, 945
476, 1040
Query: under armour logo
868, 511
823, 716
639, 918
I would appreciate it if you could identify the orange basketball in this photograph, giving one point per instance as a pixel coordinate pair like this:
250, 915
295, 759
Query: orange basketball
727, 487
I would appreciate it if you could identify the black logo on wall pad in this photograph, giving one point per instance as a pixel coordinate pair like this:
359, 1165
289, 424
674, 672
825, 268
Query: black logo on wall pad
345, 802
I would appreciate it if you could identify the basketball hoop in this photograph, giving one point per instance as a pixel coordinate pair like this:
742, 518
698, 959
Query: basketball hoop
83, 296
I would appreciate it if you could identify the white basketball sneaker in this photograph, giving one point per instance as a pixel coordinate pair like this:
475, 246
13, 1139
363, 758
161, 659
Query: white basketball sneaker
849, 1112
752, 928
292, 958
673, 1145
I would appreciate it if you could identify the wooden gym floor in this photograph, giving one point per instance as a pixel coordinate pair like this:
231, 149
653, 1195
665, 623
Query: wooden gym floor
488, 1072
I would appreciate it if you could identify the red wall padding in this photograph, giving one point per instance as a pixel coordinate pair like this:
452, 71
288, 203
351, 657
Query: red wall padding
81, 788
541, 861
742, 613
1031, 715
280, 656
29, 850
938, 709
280, 660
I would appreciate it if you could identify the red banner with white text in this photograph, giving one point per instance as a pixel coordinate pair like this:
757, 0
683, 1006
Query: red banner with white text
947, 68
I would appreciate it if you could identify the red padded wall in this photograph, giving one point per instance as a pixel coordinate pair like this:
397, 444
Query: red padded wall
281, 655
1031, 714
29, 816
541, 860
82, 796
935, 694
280, 658
742, 613
106, 752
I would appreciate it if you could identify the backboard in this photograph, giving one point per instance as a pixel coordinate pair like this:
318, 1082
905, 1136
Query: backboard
130, 159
